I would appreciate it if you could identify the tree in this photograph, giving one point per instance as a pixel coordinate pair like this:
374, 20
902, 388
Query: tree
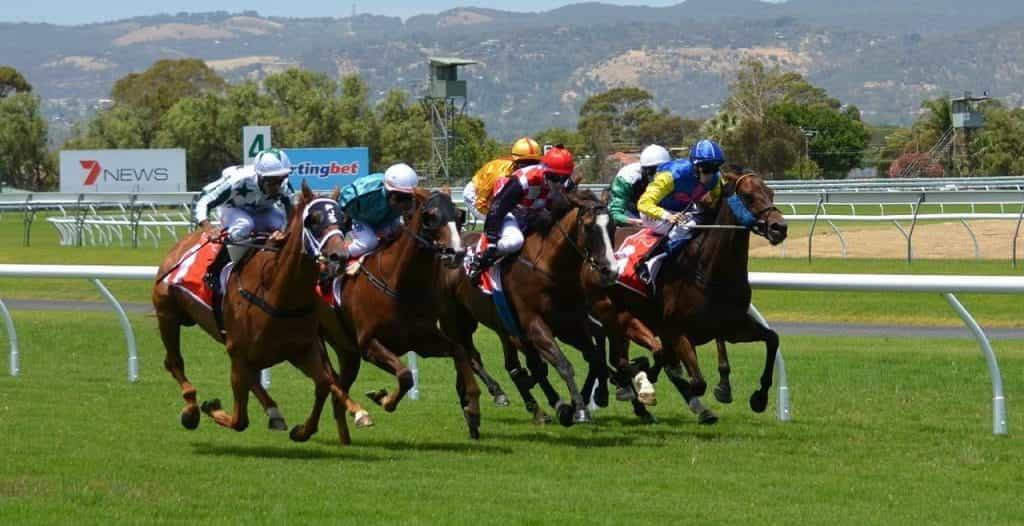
355, 114
999, 146
769, 147
755, 90
11, 81
403, 131
118, 127
24, 159
573, 141
915, 165
307, 110
472, 148
165, 83
617, 112
840, 139
197, 124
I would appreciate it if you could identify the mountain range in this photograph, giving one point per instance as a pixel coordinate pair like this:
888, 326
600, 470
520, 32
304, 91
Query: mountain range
534, 70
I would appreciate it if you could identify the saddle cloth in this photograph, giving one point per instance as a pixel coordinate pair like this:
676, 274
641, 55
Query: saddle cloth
632, 250
188, 276
490, 284
330, 290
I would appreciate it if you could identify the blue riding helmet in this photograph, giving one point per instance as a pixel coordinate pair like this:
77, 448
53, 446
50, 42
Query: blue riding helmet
707, 152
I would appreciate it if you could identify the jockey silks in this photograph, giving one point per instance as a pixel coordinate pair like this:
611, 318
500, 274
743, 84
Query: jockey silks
674, 188
366, 200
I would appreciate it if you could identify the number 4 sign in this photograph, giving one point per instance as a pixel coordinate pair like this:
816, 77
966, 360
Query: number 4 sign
254, 139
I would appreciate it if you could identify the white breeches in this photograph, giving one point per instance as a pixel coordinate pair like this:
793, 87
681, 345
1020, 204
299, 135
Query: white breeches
469, 199
365, 238
662, 227
241, 223
511, 239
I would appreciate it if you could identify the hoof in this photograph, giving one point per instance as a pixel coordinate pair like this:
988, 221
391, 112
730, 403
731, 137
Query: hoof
209, 406
473, 421
532, 407
647, 419
501, 400
706, 418
624, 394
648, 399
582, 417
565, 413
601, 395
362, 419
759, 401
698, 387
277, 424
298, 434
540, 418
377, 395
190, 418
723, 393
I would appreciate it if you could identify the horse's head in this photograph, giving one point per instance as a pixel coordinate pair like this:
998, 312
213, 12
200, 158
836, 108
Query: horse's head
592, 234
321, 230
752, 203
439, 225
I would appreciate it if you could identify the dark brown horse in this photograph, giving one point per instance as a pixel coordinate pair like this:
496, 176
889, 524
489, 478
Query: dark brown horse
175, 309
704, 294
563, 269
390, 307
269, 315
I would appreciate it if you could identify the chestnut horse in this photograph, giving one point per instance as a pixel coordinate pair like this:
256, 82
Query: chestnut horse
704, 293
390, 307
269, 315
175, 309
563, 269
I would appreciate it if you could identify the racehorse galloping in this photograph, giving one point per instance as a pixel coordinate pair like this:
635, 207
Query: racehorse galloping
269, 315
390, 307
704, 294
561, 270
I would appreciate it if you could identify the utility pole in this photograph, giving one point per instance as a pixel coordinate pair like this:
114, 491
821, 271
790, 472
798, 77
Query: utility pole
807, 133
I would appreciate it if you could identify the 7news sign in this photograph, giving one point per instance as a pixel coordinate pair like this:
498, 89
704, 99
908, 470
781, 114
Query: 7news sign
122, 171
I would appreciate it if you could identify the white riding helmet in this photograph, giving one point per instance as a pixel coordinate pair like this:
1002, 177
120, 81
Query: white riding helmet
400, 178
272, 163
654, 155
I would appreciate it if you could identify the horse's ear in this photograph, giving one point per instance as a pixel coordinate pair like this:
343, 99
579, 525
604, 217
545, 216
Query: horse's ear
307, 194
336, 193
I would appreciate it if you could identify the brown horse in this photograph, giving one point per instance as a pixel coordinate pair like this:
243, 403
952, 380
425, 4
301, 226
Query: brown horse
269, 315
563, 269
390, 307
175, 309
704, 293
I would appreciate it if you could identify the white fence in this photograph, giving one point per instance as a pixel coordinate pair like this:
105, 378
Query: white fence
947, 286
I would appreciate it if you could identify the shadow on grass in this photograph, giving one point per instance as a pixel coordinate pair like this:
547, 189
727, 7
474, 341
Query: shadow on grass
468, 446
293, 452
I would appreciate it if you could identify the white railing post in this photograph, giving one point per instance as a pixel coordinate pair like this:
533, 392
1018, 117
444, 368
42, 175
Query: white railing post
998, 400
129, 334
414, 393
783, 409
15, 366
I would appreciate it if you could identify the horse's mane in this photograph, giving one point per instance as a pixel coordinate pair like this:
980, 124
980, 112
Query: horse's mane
577, 198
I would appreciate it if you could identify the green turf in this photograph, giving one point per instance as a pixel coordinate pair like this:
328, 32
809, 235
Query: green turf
884, 431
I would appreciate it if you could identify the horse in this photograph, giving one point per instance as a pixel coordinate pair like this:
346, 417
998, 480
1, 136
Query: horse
704, 294
269, 315
390, 307
565, 265
175, 309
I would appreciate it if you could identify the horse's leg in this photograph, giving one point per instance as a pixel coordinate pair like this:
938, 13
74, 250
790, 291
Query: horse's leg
383, 358
460, 327
276, 419
723, 391
590, 340
543, 340
539, 371
620, 327
521, 378
673, 367
315, 365
242, 376
349, 361
170, 333
751, 331
431, 343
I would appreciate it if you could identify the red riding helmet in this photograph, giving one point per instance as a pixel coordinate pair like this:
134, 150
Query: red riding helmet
559, 161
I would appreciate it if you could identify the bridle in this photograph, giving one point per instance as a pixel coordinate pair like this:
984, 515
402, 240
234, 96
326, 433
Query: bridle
439, 249
584, 252
753, 220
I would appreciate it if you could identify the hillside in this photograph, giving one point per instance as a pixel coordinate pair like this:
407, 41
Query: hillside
536, 68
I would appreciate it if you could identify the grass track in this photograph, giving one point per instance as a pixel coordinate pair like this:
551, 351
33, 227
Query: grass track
885, 431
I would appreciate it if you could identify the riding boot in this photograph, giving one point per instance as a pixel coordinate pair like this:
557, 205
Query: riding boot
645, 265
237, 252
481, 263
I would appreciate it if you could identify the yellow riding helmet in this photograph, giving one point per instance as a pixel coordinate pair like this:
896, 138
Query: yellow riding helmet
526, 148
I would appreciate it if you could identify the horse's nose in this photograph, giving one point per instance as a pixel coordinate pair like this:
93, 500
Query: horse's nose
778, 231
334, 257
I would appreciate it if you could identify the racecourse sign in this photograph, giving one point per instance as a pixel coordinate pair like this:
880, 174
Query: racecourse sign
324, 168
133, 171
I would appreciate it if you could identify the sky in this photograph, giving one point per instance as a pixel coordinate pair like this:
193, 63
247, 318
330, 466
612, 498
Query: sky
72, 12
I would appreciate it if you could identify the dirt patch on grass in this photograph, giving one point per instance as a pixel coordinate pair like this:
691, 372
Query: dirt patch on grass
930, 241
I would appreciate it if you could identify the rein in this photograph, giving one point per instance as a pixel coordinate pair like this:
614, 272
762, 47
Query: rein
584, 253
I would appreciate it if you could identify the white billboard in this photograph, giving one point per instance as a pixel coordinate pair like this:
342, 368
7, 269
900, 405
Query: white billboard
131, 171
254, 140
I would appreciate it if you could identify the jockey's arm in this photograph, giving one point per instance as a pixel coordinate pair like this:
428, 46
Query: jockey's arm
621, 190
504, 202
660, 188
212, 196
287, 195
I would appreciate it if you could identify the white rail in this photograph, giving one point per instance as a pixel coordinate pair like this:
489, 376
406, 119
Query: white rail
947, 286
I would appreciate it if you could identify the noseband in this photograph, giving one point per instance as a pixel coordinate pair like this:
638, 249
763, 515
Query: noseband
585, 254
746, 217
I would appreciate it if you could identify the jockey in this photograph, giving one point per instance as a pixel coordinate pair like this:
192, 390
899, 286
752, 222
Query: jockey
376, 204
670, 203
515, 196
247, 196
477, 193
630, 183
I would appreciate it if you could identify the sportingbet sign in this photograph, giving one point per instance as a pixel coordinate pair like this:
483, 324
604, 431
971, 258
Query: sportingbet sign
122, 171
324, 168
254, 140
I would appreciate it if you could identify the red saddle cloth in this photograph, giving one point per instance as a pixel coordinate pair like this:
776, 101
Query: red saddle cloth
490, 281
634, 248
188, 276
